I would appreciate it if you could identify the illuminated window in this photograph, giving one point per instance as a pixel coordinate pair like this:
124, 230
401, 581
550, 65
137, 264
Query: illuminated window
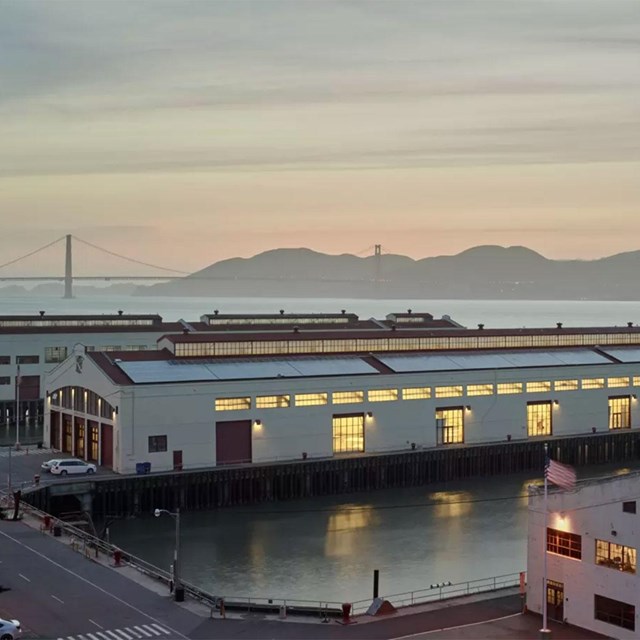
636, 381
539, 418
449, 392
618, 382
416, 393
382, 395
450, 425
565, 385
479, 389
538, 387
593, 383
615, 556
614, 612
619, 412
348, 397
564, 543
273, 402
510, 387
348, 433
232, 404
311, 399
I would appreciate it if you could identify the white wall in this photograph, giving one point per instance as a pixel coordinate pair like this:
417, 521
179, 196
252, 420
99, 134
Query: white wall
594, 512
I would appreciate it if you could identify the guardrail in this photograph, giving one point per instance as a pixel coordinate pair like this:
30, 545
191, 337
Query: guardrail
91, 546
444, 591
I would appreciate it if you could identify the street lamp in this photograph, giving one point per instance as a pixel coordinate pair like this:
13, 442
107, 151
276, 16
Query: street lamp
178, 591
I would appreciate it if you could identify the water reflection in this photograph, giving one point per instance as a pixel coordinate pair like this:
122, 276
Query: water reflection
327, 549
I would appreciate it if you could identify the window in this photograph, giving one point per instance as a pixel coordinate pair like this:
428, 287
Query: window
510, 387
416, 393
593, 383
539, 418
348, 397
157, 444
449, 392
5, 359
348, 433
310, 399
565, 385
479, 389
615, 612
450, 425
232, 404
382, 395
27, 359
55, 354
629, 507
273, 402
564, 543
5, 379
616, 556
619, 412
636, 379
538, 387
618, 382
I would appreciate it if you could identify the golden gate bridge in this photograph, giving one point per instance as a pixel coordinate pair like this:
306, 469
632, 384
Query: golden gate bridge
169, 273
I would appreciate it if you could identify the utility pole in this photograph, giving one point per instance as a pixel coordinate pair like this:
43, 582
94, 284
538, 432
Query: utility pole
68, 270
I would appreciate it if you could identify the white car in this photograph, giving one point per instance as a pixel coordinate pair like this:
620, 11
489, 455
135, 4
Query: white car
46, 466
9, 629
72, 465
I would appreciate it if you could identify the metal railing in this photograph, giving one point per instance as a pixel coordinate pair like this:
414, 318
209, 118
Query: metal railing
444, 591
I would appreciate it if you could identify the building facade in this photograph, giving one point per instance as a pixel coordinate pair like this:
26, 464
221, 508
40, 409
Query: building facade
591, 542
256, 396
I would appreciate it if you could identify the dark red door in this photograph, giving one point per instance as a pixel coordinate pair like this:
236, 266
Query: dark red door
106, 445
67, 433
80, 438
233, 442
177, 460
54, 430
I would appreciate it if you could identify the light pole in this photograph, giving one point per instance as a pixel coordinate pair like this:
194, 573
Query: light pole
178, 591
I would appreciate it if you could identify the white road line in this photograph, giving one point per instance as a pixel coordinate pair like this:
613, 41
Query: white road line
103, 635
122, 633
112, 634
175, 633
58, 599
460, 626
154, 631
92, 637
160, 628
24, 577
144, 632
137, 634
97, 625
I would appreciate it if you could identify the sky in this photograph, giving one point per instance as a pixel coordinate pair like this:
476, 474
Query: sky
183, 133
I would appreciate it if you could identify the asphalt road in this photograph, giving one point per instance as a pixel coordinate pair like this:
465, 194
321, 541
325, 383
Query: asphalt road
56, 592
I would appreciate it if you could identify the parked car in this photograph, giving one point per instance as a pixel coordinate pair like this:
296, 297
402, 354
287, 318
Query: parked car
9, 629
72, 465
46, 466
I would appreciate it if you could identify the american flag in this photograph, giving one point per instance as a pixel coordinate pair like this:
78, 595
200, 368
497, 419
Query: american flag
560, 474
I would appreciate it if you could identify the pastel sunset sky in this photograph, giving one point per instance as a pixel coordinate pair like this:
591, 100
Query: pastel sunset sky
182, 133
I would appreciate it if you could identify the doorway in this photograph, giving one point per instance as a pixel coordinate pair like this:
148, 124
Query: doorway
555, 600
177, 460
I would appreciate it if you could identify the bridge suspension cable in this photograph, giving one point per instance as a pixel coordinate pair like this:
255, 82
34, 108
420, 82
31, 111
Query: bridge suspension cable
118, 255
31, 253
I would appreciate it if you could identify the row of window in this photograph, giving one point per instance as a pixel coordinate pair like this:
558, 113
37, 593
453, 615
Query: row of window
401, 343
78, 322
83, 401
607, 554
422, 393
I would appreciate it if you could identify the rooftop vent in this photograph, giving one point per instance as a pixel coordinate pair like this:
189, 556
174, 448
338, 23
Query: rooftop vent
629, 324
559, 325
481, 327
120, 312
409, 311
215, 312
281, 312
41, 313
296, 329
343, 311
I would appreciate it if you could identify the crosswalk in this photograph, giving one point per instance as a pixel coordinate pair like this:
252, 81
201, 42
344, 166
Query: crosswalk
152, 630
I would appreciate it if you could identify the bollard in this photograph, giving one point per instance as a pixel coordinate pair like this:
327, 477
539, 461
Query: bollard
346, 610
222, 613
117, 557
36, 479
283, 612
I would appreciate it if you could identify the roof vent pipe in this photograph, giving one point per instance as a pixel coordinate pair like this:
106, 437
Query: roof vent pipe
296, 329
629, 324
559, 325
281, 312
120, 312
481, 327
41, 313
409, 311
216, 312
343, 311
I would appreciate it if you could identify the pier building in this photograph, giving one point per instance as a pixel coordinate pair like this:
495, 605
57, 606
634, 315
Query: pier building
591, 541
269, 391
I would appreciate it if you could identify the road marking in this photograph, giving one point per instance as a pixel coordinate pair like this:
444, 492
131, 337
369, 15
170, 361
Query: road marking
91, 636
114, 635
122, 633
175, 633
58, 599
460, 626
24, 577
154, 631
97, 625
144, 632
160, 628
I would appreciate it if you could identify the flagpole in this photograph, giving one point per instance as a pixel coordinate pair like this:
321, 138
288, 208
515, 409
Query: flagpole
18, 408
545, 632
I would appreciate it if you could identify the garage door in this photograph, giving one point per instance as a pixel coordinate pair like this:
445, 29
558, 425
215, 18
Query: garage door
233, 442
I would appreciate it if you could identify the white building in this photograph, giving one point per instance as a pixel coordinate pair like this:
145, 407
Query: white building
591, 543
204, 399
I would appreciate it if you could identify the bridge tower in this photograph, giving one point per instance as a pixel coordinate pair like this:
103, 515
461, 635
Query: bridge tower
377, 255
68, 269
